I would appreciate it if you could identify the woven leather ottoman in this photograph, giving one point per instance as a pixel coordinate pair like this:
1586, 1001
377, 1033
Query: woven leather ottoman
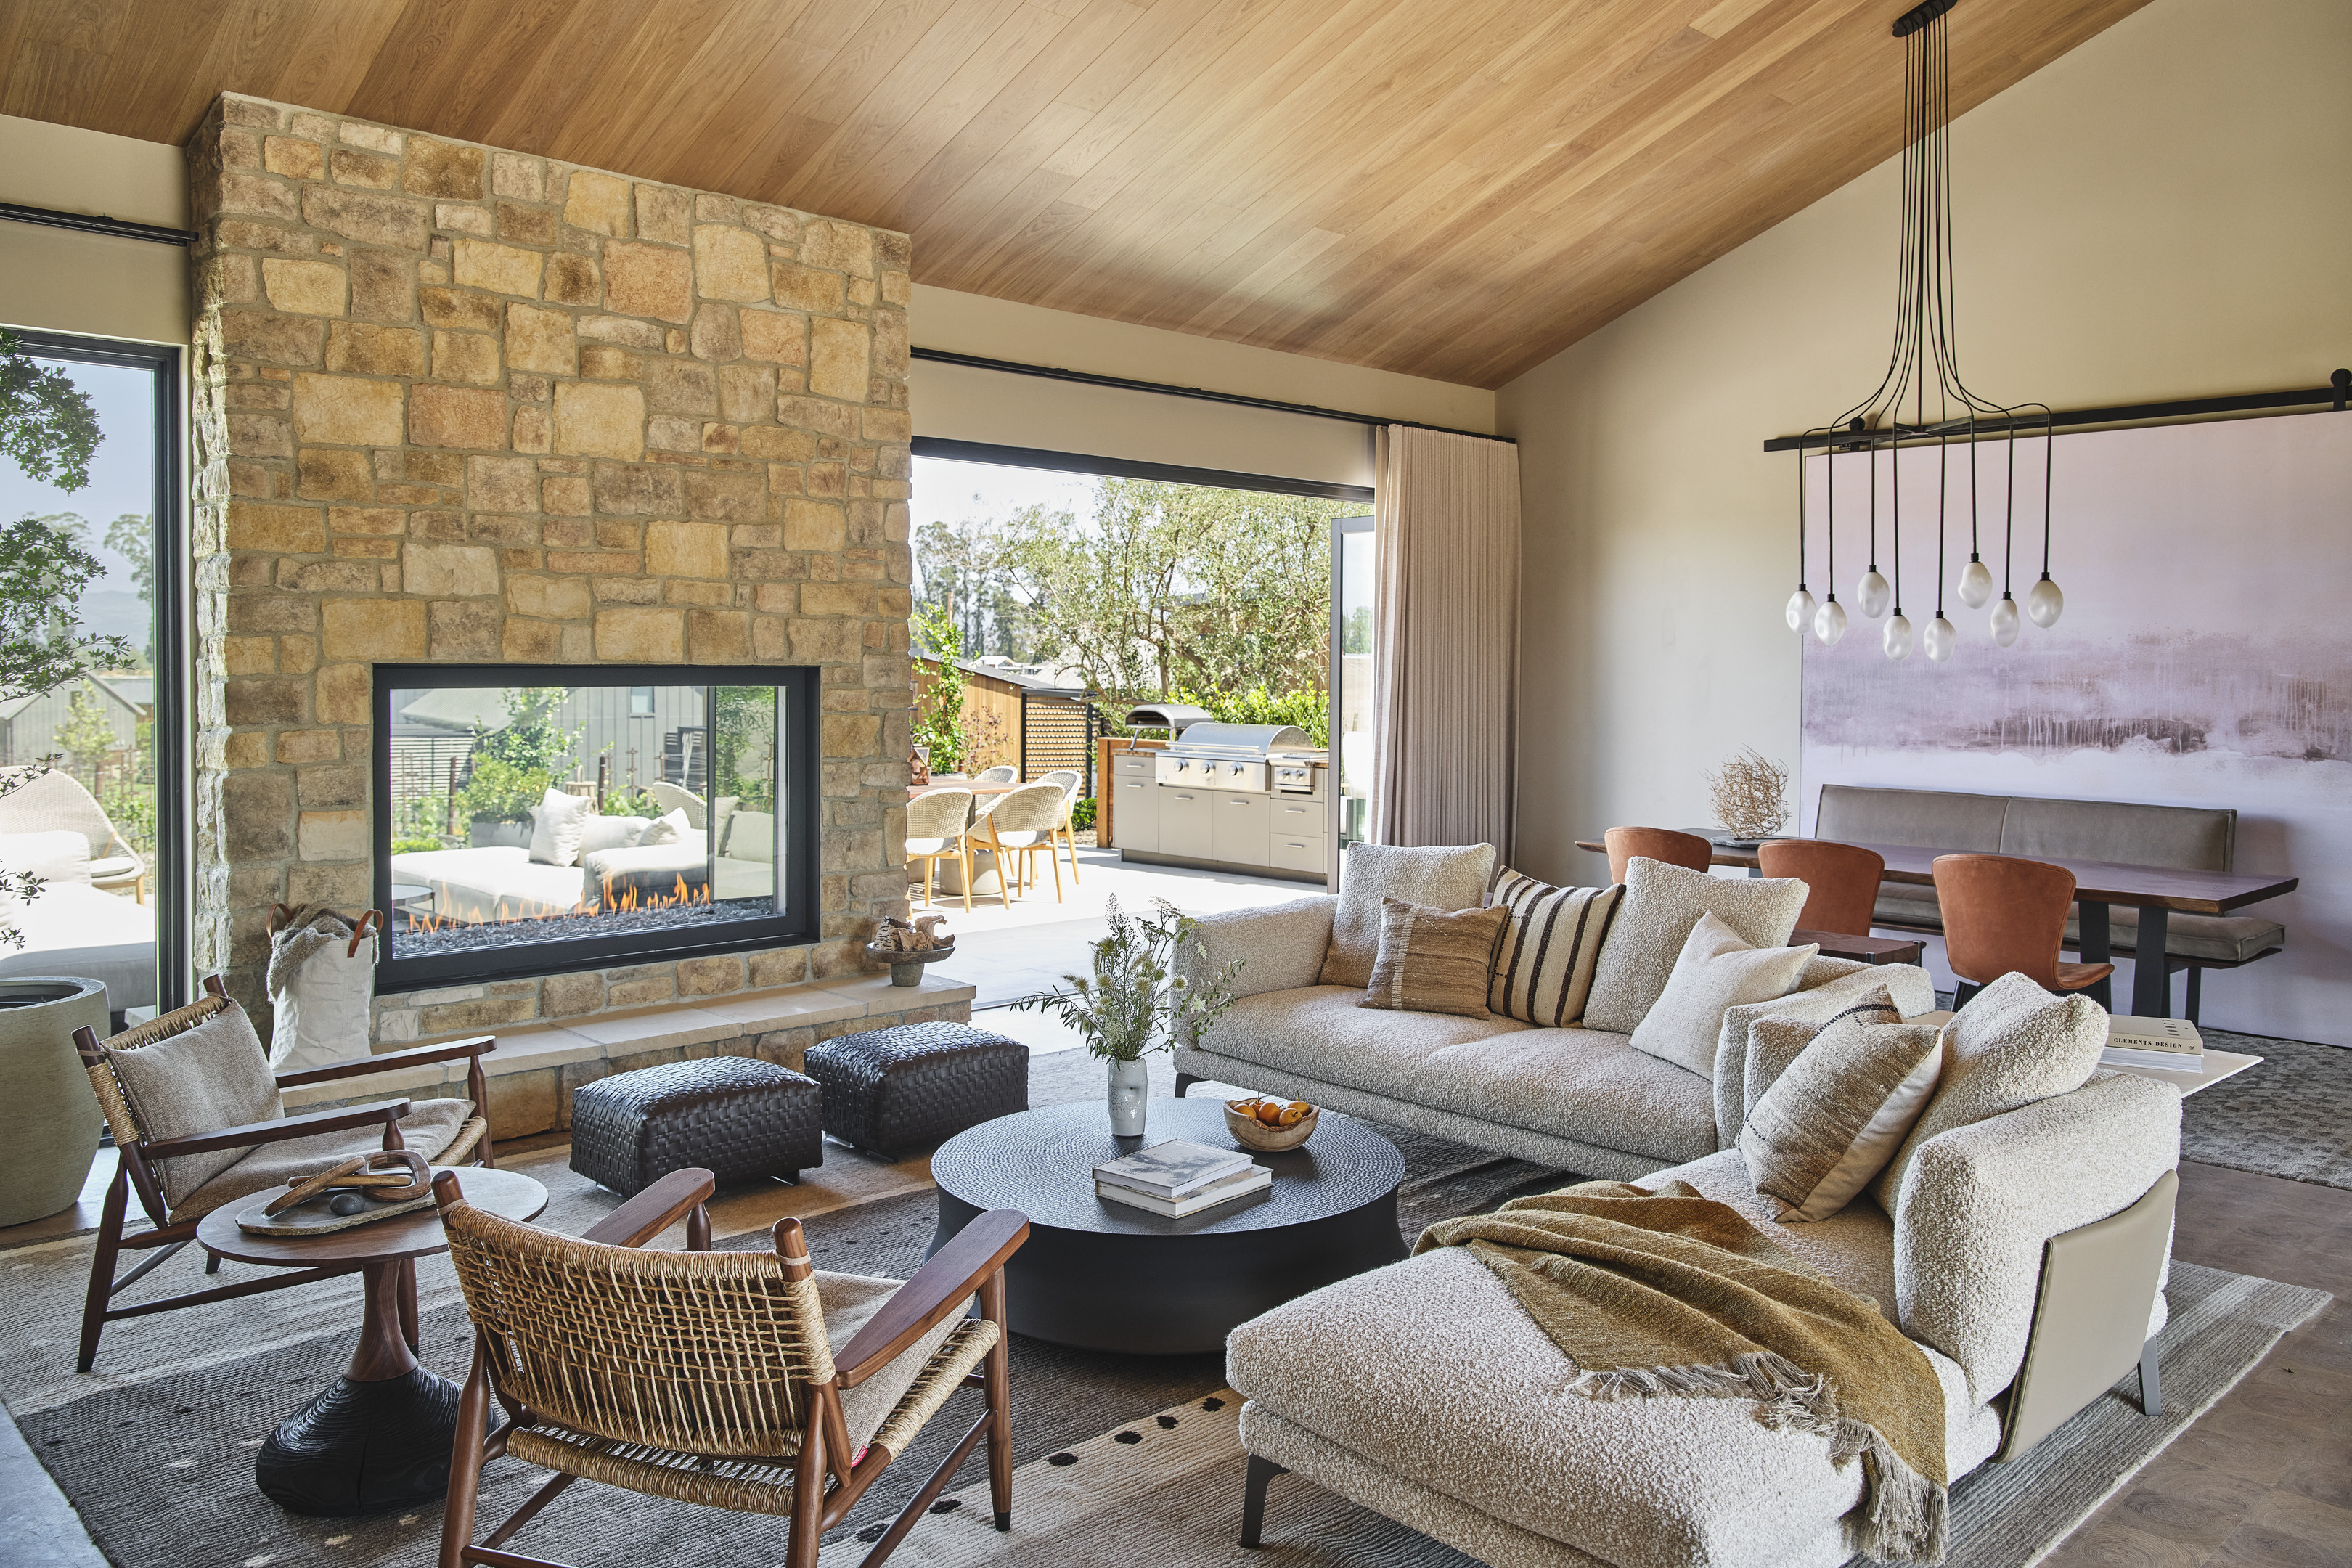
738, 1117
897, 1089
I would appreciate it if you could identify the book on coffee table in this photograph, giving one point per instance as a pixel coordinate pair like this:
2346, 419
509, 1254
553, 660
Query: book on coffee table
1173, 1171
1241, 1184
2153, 1043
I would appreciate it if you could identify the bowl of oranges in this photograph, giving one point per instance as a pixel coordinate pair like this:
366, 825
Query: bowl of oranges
1270, 1126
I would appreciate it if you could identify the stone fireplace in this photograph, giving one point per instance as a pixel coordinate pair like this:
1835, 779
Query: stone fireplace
456, 407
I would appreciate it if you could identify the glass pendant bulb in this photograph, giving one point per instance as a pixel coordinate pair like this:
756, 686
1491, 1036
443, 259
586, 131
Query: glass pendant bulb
1896, 638
1829, 624
2004, 621
1799, 613
1872, 595
2044, 604
1938, 640
1975, 583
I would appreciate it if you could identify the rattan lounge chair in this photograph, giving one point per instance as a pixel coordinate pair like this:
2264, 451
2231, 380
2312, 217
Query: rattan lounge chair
709, 1378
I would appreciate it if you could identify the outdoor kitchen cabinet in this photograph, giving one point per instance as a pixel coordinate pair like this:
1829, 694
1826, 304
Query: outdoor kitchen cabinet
1238, 828
1186, 822
1134, 806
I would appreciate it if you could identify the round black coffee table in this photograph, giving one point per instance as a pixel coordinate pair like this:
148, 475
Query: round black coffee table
1103, 1276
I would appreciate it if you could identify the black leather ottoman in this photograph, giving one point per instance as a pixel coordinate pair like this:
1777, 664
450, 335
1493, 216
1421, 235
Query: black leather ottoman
900, 1090
736, 1117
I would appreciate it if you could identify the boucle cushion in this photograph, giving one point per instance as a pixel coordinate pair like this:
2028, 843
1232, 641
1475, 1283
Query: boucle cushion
2012, 1045
1543, 964
1434, 961
1715, 971
203, 1079
1662, 903
1835, 1116
61, 855
1435, 879
557, 824
601, 832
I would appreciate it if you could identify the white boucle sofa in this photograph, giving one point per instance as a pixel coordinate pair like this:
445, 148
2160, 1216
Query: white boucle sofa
1580, 1099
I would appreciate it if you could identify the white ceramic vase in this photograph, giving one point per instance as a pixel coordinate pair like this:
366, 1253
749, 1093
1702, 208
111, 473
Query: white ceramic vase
1130, 1090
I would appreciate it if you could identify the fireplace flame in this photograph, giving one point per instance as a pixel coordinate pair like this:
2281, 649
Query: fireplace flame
629, 901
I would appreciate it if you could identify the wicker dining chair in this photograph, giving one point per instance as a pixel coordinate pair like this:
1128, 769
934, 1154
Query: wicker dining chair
713, 1377
55, 800
1004, 773
939, 827
1071, 781
1020, 825
198, 1123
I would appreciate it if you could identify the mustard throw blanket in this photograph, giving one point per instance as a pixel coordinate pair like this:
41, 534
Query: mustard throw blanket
1667, 1292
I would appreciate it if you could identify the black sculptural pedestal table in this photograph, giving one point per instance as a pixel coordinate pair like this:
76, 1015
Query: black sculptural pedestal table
380, 1438
1105, 1275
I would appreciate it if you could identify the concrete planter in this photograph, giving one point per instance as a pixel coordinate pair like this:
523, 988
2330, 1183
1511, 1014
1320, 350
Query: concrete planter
49, 1120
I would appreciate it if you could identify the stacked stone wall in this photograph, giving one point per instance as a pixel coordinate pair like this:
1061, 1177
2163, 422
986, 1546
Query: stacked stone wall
454, 404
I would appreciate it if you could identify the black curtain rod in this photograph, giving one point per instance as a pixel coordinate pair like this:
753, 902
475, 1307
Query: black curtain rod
1125, 383
118, 227
2337, 393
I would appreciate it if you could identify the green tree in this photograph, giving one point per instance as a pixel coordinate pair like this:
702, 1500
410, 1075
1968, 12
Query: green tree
938, 700
44, 571
48, 427
86, 738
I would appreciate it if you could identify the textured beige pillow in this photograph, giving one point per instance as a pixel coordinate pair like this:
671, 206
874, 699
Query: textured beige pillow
1544, 961
1441, 878
1431, 960
1715, 970
2012, 1045
1834, 1119
204, 1079
1662, 903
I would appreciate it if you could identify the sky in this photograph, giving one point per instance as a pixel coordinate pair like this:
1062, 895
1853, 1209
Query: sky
121, 480
947, 492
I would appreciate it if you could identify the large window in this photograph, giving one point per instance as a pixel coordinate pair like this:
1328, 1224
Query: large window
91, 677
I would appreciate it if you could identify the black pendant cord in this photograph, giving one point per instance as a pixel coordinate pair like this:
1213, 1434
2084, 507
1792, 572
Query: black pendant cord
2049, 465
1943, 498
1829, 501
2009, 519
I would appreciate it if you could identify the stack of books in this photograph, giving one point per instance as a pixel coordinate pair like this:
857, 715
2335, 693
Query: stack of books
2171, 1043
1175, 1179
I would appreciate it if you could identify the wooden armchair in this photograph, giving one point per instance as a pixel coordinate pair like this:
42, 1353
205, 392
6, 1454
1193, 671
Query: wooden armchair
709, 1377
198, 1123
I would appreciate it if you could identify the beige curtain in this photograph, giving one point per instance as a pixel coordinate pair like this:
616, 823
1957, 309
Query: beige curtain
1446, 665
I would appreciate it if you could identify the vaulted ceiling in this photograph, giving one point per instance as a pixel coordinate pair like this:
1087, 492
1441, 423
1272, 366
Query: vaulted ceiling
1450, 188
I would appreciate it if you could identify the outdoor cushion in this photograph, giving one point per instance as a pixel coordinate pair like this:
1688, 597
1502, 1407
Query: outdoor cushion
752, 836
203, 1079
1714, 971
1434, 961
1662, 903
429, 1128
557, 823
1437, 878
58, 856
601, 832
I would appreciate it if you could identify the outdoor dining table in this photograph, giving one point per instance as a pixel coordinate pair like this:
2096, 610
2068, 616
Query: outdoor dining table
2159, 892
915, 790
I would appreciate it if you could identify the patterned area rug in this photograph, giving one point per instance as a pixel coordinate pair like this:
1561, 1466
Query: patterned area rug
2289, 1117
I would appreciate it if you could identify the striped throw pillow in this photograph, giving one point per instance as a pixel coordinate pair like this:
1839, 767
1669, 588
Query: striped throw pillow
1433, 961
1835, 1118
1551, 944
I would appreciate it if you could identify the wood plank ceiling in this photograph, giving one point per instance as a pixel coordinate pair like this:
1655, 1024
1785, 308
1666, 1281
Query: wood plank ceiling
1450, 188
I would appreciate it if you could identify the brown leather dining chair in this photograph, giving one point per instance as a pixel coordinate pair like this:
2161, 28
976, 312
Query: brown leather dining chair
1842, 880
1684, 849
2001, 914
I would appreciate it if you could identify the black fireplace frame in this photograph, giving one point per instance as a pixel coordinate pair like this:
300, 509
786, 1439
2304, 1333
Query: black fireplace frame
799, 780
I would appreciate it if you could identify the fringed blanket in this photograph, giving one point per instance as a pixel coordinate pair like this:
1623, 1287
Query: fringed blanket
1667, 1292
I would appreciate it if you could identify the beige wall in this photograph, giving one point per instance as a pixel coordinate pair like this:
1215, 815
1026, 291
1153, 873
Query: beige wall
2165, 212
63, 281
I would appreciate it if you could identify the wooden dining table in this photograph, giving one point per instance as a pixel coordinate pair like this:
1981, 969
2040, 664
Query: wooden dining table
2157, 892
916, 791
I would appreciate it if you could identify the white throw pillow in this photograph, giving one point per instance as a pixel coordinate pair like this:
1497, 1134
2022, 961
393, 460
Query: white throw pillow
557, 823
1835, 1118
601, 832
62, 855
667, 829
1662, 904
2012, 1045
750, 835
1715, 970
1438, 878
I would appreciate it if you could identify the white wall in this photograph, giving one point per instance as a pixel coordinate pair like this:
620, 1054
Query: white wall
64, 281
2165, 212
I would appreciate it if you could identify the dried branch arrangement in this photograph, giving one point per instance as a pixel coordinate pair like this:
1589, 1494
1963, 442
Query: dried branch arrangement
1748, 794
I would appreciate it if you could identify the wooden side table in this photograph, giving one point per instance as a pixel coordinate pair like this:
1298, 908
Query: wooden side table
380, 1438
1867, 949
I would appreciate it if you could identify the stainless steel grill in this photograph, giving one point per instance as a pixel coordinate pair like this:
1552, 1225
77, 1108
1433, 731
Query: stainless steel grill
1227, 756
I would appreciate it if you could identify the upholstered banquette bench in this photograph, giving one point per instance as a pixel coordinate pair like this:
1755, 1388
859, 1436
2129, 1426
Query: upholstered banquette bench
2198, 838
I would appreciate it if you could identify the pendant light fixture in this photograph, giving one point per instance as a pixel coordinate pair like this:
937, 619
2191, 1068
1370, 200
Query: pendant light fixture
1923, 369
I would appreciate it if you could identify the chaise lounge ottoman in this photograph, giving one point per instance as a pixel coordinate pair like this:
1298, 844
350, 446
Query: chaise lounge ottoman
897, 1089
738, 1117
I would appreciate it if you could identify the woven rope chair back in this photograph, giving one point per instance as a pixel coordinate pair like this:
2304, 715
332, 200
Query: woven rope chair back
1000, 773
699, 1353
941, 814
1032, 808
1069, 780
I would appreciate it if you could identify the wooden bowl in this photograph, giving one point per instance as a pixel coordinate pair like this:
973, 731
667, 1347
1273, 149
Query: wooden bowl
1251, 1133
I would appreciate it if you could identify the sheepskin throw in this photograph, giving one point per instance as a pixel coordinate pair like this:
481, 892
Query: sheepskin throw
1834, 1119
1543, 967
1662, 903
1438, 878
1433, 961
1667, 1293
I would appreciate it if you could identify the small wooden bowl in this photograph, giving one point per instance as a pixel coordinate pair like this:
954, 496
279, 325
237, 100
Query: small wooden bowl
1251, 1133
